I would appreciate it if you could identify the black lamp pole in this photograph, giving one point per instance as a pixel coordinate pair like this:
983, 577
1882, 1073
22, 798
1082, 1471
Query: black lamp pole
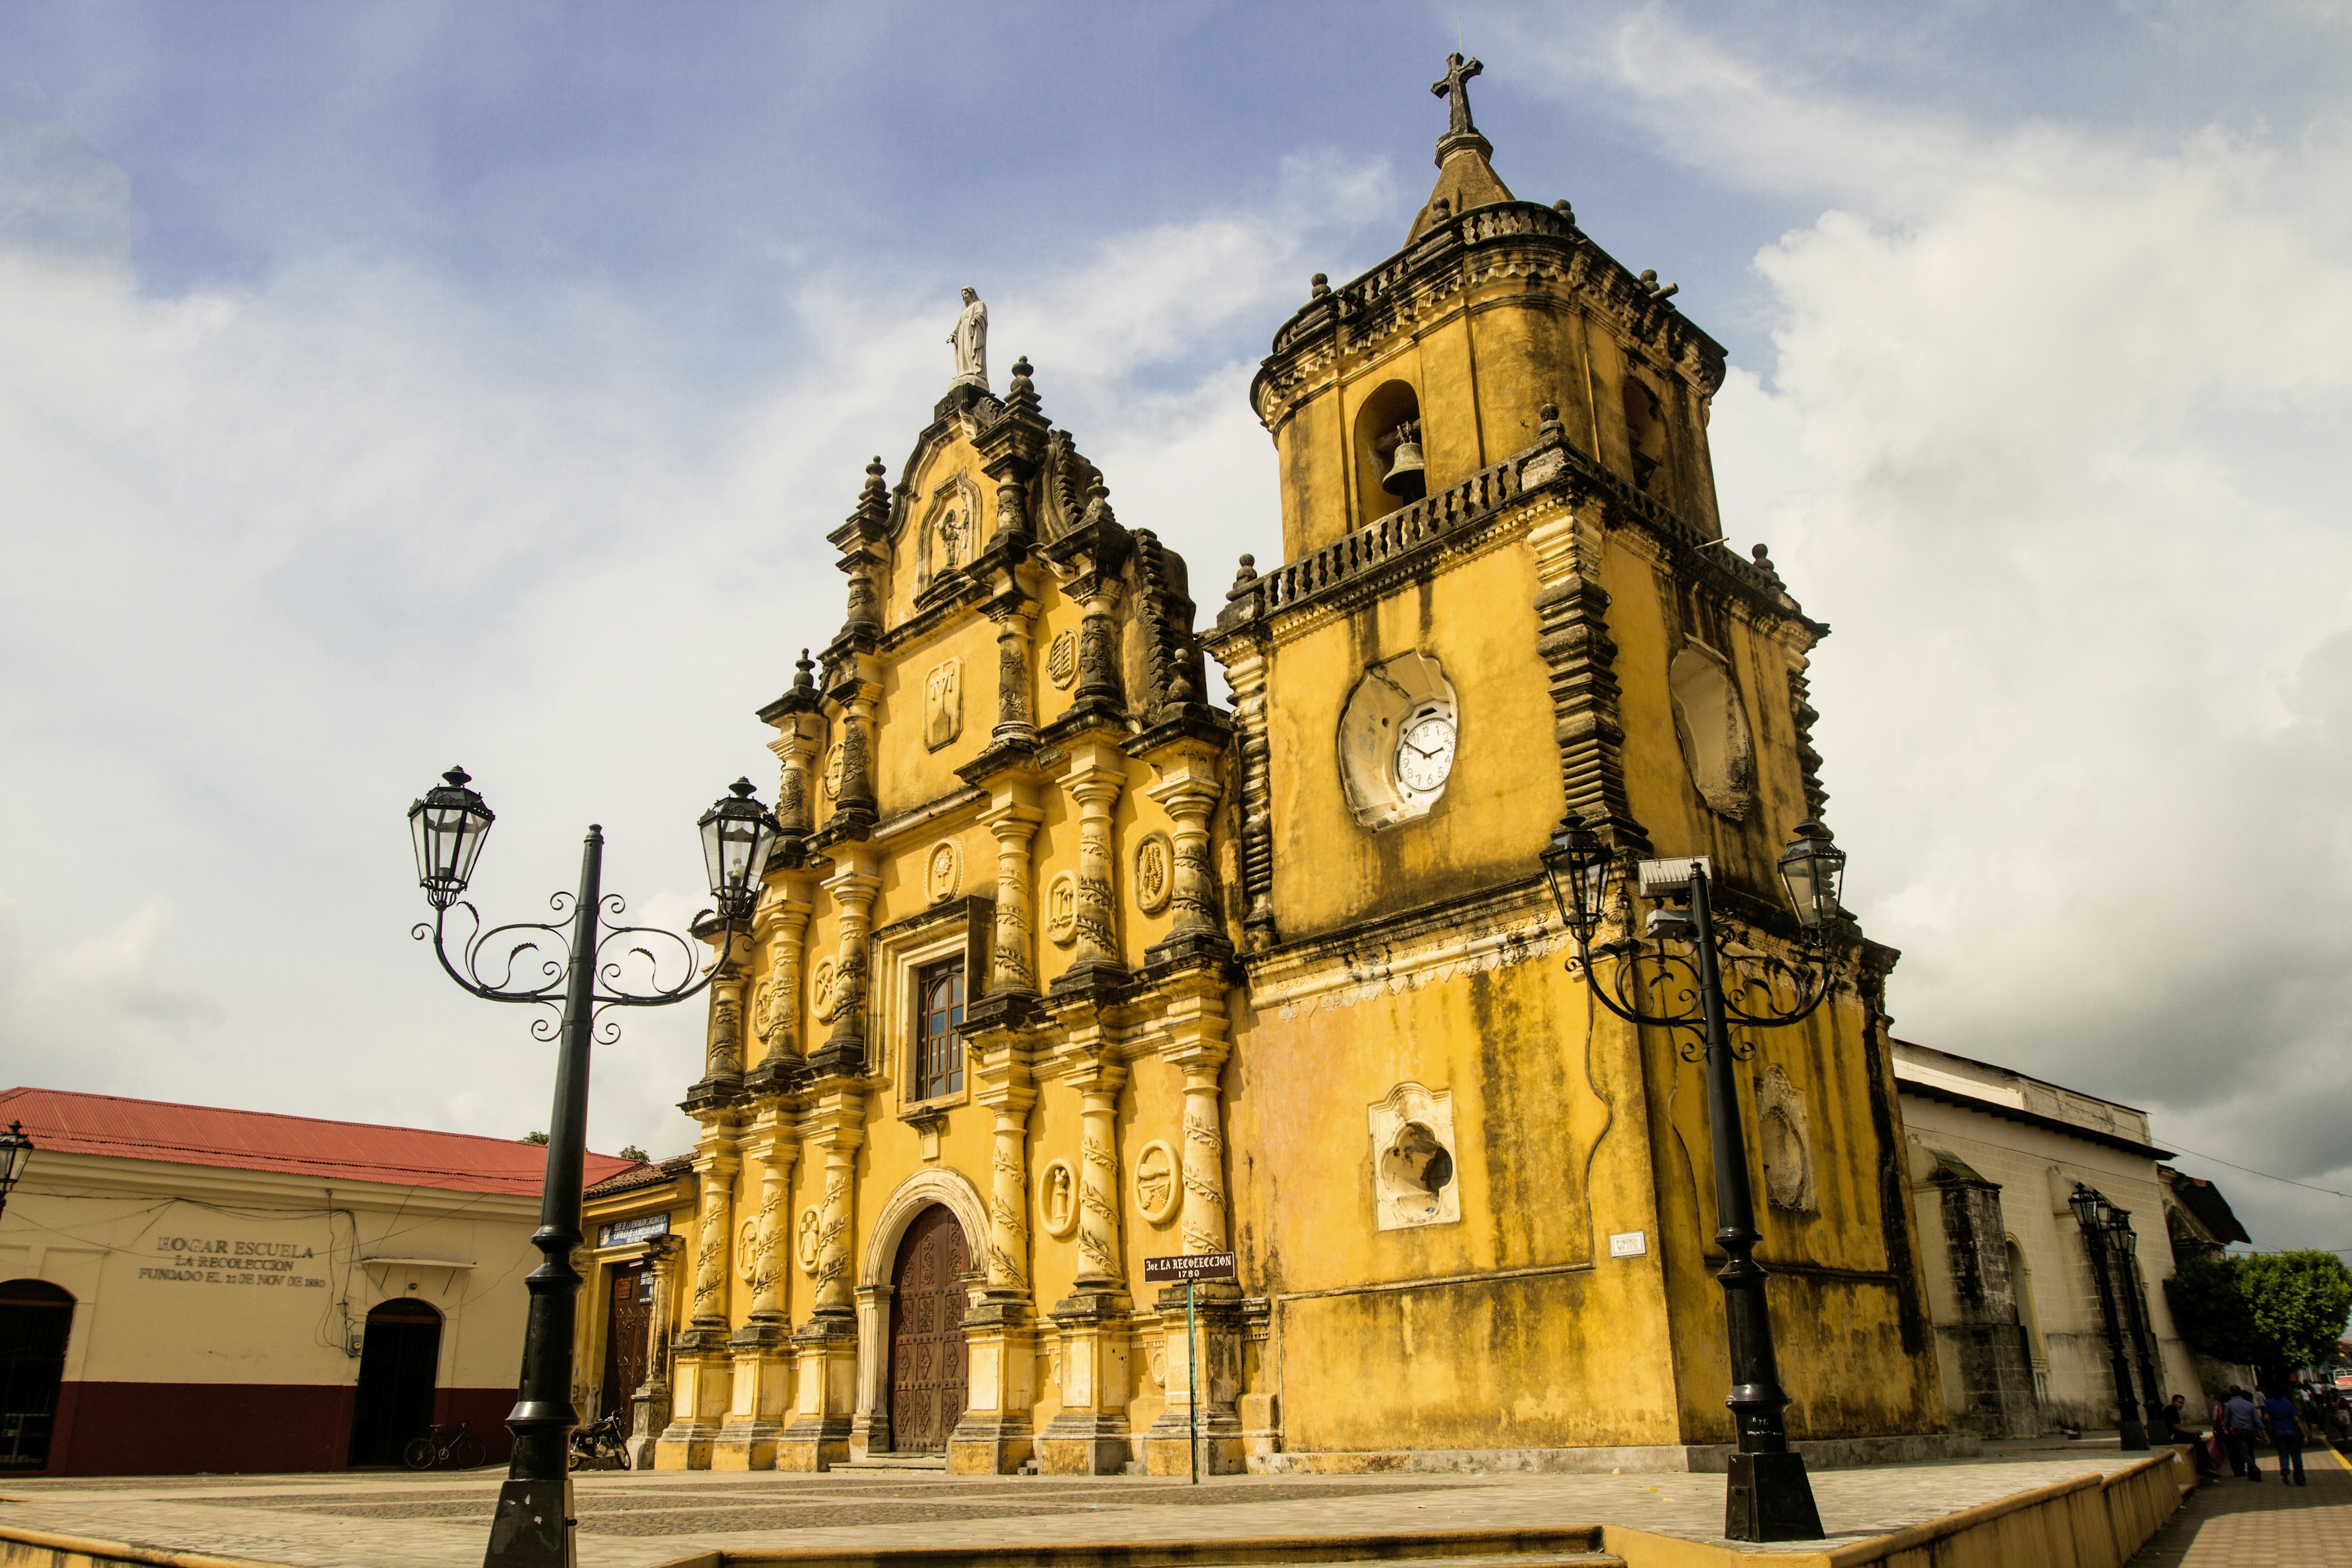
1769, 1497
2091, 1211
533, 1525
15, 1154
2126, 1253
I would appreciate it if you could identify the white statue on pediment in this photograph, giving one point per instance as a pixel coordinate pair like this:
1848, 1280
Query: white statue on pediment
971, 341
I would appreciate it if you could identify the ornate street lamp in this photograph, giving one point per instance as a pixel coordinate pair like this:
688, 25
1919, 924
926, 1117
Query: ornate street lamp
2093, 1214
15, 1154
2125, 1241
1675, 961
580, 972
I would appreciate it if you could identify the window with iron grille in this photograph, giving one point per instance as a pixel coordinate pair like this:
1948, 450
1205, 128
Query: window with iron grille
939, 1029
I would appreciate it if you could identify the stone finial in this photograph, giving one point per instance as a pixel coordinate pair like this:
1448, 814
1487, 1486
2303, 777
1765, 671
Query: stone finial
1317, 286
1244, 578
1455, 88
1020, 398
802, 681
1180, 690
1098, 504
1567, 214
1551, 429
1655, 290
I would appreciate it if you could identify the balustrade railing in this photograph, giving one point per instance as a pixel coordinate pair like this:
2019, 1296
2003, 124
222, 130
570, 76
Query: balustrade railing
1447, 511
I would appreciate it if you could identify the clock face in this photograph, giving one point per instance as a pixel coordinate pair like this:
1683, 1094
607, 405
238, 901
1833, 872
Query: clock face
1424, 753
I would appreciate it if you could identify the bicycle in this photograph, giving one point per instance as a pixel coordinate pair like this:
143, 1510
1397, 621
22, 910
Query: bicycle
460, 1450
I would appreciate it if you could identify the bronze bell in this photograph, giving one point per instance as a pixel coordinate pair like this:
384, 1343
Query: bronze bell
1406, 478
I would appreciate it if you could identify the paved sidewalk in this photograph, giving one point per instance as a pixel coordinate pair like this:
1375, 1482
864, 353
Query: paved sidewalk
637, 1520
2234, 1523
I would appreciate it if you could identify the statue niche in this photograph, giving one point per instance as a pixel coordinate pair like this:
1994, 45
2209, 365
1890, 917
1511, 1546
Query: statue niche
948, 537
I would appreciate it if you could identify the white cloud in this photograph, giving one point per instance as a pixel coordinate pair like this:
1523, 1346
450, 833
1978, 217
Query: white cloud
279, 554
2038, 442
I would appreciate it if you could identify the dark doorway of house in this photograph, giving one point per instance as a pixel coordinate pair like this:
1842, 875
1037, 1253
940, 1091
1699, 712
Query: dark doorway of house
397, 1363
35, 1319
624, 1337
926, 1346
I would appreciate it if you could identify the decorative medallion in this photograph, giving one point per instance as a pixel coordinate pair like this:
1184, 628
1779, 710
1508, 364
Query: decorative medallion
1155, 873
1159, 1187
820, 988
943, 703
834, 761
1058, 1199
1414, 1181
1062, 907
747, 1235
804, 1239
943, 872
1062, 660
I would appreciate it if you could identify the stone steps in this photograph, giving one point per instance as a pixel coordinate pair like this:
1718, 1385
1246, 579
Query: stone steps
897, 1462
1573, 1546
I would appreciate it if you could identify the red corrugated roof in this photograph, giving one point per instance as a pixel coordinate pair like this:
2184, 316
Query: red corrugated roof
300, 1145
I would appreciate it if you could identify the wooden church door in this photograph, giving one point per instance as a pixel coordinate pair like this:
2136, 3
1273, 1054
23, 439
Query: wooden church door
927, 1347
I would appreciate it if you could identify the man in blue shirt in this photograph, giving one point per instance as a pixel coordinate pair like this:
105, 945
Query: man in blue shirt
2241, 1422
2287, 1433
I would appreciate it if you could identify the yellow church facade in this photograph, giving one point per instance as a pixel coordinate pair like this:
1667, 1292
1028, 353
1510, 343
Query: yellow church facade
1061, 965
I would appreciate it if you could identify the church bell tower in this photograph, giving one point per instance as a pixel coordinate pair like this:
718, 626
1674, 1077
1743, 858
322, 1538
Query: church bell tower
1506, 598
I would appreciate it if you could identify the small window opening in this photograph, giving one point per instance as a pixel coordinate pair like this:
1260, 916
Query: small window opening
1646, 430
938, 1030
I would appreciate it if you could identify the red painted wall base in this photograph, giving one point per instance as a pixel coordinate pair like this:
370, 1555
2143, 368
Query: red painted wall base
177, 1429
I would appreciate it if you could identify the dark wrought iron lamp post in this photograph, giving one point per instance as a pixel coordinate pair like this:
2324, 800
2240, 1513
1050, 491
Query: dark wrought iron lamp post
15, 1154
581, 971
1679, 971
2126, 1244
2094, 1213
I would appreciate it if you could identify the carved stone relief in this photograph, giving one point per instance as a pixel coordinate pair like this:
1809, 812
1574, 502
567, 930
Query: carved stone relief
747, 1236
835, 764
1155, 873
804, 1239
943, 871
949, 534
1062, 660
942, 703
822, 991
1058, 1199
1062, 907
1158, 1188
1784, 1139
1414, 1181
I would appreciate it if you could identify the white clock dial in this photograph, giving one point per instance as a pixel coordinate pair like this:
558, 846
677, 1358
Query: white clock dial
1425, 752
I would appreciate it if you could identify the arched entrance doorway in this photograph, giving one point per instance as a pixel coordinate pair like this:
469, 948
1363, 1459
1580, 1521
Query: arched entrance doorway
928, 1363
35, 1319
398, 1362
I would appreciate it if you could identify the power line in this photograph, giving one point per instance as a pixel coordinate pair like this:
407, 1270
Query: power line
2265, 1175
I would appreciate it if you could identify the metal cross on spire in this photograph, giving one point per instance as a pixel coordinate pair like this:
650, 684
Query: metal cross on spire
1455, 90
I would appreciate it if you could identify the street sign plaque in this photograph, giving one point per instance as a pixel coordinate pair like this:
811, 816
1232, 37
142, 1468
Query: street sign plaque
1186, 1267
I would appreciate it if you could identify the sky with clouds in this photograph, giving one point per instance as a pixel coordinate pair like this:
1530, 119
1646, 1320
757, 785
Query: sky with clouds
384, 385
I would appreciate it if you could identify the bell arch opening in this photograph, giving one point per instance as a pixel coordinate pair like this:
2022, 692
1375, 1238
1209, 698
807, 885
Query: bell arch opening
1388, 465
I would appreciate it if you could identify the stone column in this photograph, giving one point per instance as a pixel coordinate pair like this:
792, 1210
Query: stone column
1014, 819
1097, 775
853, 886
1088, 1436
650, 1401
1188, 789
855, 803
996, 1435
723, 1060
1016, 711
762, 1360
1098, 678
825, 1348
781, 924
702, 1379
1197, 1027
1245, 670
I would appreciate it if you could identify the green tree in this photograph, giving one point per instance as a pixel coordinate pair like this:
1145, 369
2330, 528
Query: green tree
631, 1152
2298, 1302
534, 1137
2210, 1309
2269, 1309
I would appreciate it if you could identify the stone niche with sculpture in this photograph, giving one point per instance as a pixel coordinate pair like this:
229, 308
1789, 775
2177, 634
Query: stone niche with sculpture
1416, 1178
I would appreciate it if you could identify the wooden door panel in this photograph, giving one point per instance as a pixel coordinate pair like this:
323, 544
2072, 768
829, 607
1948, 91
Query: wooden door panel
927, 1370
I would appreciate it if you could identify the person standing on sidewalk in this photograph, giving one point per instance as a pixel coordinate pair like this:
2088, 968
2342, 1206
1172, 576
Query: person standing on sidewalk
2287, 1432
2240, 1424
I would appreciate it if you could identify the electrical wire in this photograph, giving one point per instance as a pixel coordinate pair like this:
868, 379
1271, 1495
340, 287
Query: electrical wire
2265, 1175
